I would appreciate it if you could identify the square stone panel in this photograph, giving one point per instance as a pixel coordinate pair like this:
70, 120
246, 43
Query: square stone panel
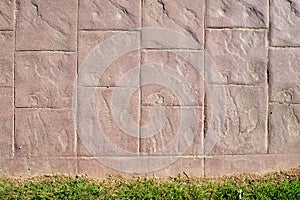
108, 121
238, 56
285, 75
109, 14
240, 128
6, 14
6, 121
172, 78
46, 25
6, 58
284, 129
171, 131
42, 132
233, 13
285, 22
119, 67
186, 17
45, 79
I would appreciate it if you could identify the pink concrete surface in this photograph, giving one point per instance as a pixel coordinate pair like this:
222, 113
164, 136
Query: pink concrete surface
229, 103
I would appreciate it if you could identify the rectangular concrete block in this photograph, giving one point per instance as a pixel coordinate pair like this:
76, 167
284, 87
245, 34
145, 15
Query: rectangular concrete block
284, 75
240, 127
284, 128
109, 14
43, 132
6, 58
232, 13
45, 80
237, 164
6, 14
46, 25
284, 22
6, 121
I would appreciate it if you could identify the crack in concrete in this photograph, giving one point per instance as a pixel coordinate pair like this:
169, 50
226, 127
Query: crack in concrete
293, 7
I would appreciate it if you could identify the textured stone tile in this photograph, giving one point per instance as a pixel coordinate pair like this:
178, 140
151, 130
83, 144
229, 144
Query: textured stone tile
6, 15
46, 25
285, 75
115, 71
108, 121
239, 56
172, 78
45, 79
6, 121
6, 58
44, 132
185, 16
237, 164
109, 14
284, 22
242, 128
284, 129
242, 13
36, 166
171, 131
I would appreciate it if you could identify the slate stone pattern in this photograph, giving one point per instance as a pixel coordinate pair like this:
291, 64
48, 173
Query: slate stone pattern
255, 45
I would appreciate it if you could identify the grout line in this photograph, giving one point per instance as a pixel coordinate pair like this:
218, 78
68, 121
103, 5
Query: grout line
237, 28
14, 77
284, 47
283, 103
44, 51
140, 77
42, 108
3, 30
108, 30
267, 135
237, 85
173, 49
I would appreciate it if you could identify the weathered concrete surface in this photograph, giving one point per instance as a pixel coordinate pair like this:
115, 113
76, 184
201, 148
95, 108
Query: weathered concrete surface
6, 14
241, 13
284, 129
285, 22
211, 89
46, 25
285, 75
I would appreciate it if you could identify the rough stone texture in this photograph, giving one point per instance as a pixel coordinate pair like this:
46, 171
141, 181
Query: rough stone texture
161, 138
118, 68
226, 165
284, 129
109, 14
6, 58
32, 166
186, 65
6, 121
285, 75
241, 13
243, 129
103, 107
6, 14
46, 25
185, 16
45, 79
284, 22
192, 166
44, 132
239, 55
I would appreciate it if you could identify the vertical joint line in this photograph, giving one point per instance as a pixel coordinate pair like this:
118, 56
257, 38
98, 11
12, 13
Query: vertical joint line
140, 78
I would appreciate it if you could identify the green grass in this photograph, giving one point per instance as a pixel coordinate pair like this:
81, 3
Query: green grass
281, 185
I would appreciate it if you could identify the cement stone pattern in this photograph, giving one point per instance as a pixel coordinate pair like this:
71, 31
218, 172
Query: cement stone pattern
6, 14
109, 14
244, 124
6, 58
44, 80
285, 22
185, 16
241, 13
239, 55
6, 121
42, 132
285, 75
284, 129
46, 25
253, 46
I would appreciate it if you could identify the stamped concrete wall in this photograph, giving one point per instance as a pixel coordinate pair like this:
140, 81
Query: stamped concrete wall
162, 87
